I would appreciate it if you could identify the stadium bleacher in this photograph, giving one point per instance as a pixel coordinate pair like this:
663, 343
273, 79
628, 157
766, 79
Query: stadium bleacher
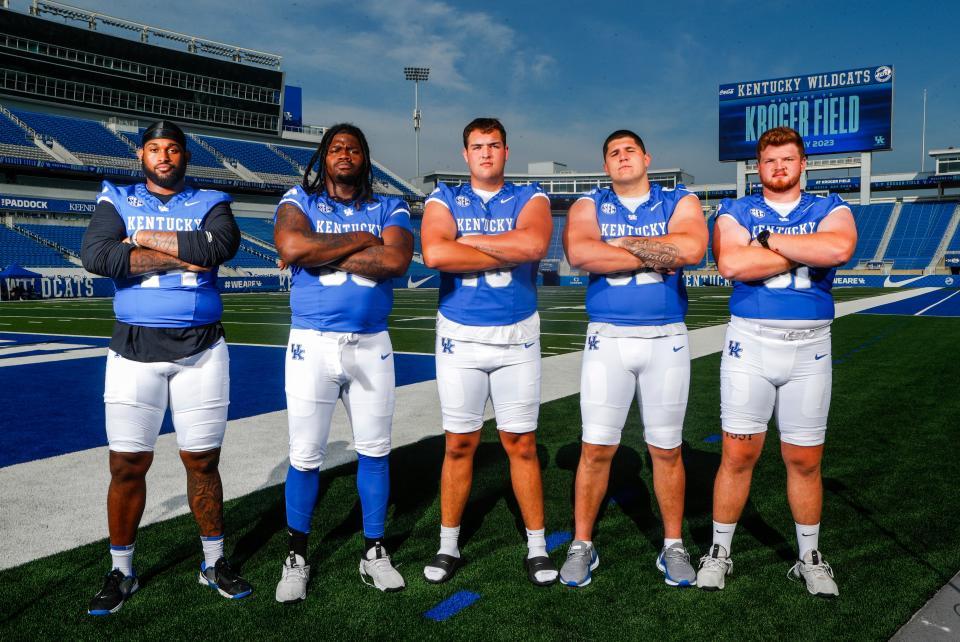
871, 223
69, 236
259, 228
245, 258
88, 140
257, 157
918, 233
17, 248
17, 142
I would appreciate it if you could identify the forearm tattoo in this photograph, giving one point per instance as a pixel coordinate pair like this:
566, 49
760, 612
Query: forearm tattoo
291, 219
205, 496
165, 242
371, 263
144, 261
654, 254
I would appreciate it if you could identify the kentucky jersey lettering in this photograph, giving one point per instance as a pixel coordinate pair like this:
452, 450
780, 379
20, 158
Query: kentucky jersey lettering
496, 297
173, 299
644, 297
802, 293
323, 298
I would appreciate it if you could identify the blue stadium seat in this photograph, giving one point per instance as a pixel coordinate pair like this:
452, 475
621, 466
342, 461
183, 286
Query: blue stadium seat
245, 258
871, 223
259, 228
17, 248
68, 236
78, 135
256, 157
918, 234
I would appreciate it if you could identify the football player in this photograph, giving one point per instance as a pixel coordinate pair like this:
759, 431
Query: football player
486, 237
634, 238
344, 245
781, 249
161, 241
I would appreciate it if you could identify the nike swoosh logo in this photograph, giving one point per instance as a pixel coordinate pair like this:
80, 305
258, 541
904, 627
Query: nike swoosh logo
721, 532
527, 345
807, 534
415, 284
890, 283
656, 205
677, 348
383, 357
373, 207
191, 203
504, 200
817, 357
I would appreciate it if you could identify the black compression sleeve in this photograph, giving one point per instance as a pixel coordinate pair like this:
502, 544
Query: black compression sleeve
216, 243
103, 251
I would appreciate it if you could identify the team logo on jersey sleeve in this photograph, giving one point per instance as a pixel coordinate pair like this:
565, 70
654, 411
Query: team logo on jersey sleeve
463, 201
290, 192
608, 208
324, 208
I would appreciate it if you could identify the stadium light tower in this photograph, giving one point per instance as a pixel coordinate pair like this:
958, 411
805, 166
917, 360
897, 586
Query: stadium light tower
417, 74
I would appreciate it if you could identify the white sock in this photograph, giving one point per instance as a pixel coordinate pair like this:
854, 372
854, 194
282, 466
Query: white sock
669, 541
536, 543
212, 549
808, 537
448, 541
122, 558
723, 535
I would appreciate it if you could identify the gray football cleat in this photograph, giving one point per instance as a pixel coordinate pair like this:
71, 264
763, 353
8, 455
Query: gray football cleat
582, 559
376, 570
292, 586
674, 563
816, 574
714, 568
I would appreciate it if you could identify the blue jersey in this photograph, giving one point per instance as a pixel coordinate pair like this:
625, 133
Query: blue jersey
175, 298
802, 293
495, 297
327, 299
644, 297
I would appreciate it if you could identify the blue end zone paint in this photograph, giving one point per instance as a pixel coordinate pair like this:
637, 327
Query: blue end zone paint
56, 407
950, 306
451, 606
557, 539
712, 439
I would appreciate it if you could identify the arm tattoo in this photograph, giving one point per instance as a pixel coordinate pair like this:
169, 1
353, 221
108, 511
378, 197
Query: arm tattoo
144, 261
165, 242
654, 254
292, 220
205, 496
369, 263
495, 252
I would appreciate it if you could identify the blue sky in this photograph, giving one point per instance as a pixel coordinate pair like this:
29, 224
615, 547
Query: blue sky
562, 75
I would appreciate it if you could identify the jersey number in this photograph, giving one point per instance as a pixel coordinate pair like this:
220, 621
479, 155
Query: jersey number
493, 278
798, 277
187, 279
339, 277
641, 277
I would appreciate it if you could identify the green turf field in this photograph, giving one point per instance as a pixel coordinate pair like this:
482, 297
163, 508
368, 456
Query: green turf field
891, 517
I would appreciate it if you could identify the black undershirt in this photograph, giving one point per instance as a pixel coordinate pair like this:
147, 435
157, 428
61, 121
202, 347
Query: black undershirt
104, 253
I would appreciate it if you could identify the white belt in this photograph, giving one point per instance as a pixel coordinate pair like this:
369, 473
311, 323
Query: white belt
779, 333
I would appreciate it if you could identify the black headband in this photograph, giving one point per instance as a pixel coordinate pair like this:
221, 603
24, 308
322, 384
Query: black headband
164, 129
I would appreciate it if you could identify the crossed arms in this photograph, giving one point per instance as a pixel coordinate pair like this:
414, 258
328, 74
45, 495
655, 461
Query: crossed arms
740, 259
108, 251
527, 242
359, 253
683, 244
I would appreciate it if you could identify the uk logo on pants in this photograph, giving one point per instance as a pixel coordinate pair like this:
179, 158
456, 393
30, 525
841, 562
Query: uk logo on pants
447, 345
296, 351
593, 343
735, 349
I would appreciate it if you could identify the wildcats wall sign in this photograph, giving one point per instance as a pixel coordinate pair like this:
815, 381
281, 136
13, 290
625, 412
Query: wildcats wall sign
836, 111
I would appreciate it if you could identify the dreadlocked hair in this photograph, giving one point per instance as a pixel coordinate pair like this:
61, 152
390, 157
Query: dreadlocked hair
318, 166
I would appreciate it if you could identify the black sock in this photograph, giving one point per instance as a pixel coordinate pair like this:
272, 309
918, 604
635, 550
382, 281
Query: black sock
370, 542
298, 542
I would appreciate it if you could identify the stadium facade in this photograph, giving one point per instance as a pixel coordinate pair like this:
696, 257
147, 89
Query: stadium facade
77, 89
